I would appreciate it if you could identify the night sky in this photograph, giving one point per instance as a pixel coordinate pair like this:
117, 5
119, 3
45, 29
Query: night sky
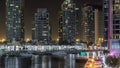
53, 6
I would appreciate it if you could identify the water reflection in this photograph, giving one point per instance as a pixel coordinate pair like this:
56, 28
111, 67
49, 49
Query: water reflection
37, 61
69, 61
12, 62
2, 63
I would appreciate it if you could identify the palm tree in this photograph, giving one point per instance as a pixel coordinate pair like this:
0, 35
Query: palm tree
113, 62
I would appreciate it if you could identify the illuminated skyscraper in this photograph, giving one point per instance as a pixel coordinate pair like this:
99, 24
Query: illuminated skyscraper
41, 29
14, 20
113, 24
99, 27
105, 13
68, 23
88, 24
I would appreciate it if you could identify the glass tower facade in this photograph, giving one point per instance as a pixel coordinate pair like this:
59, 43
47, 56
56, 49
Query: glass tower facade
68, 23
14, 20
99, 27
116, 19
41, 28
105, 13
87, 24
114, 24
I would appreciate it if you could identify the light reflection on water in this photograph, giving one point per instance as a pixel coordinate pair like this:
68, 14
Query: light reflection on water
45, 61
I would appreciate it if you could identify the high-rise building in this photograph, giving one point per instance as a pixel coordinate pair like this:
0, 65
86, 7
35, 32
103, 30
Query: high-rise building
114, 24
105, 13
88, 24
41, 32
68, 23
99, 27
14, 20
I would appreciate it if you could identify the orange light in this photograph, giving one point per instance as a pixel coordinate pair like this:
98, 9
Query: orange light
77, 40
3, 40
57, 39
92, 60
90, 65
27, 40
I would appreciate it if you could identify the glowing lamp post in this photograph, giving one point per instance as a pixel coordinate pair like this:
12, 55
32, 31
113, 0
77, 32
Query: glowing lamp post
27, 40
3, 40
57, 39
77, 41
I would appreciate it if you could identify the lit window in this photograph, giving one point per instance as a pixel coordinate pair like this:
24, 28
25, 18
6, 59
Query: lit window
69, 5
65, 2
33, 28
8, 13
16, 6
44, 34
45, 26
45, 39
11, 4
66, 8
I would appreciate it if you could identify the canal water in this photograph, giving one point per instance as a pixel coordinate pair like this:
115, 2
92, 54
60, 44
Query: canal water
45, 61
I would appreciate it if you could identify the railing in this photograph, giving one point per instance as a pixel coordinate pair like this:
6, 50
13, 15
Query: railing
44, 49
41, 48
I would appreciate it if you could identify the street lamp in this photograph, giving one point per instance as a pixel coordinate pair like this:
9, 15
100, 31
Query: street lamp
3, 40
27, 40
77, 41
57, 39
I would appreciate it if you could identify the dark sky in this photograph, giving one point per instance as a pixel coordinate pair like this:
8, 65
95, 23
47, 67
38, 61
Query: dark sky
30, 8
